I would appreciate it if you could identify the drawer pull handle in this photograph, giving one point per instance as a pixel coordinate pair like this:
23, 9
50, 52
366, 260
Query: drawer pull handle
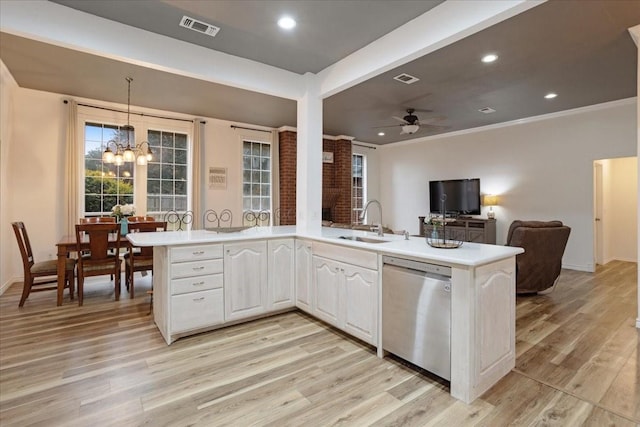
198, 284
198, 268
198, 299
198, 252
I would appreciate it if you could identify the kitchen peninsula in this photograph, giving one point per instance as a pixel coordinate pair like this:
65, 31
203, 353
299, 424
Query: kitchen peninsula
204, 280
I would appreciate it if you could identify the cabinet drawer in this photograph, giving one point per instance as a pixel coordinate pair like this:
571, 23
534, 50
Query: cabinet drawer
197, 283
197, 310
196, 268
192, 253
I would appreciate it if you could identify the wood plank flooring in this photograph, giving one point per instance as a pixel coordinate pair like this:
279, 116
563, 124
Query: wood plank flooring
105, 364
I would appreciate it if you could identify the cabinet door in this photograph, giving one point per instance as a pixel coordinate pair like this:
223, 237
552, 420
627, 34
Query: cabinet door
303, 276
476, 236
280, 287
327, 279
245, 279
361, 303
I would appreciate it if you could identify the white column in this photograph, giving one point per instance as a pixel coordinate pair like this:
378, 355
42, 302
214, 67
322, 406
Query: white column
635, 35
309, 158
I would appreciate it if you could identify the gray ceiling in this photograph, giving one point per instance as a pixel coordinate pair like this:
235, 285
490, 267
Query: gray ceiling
579, 49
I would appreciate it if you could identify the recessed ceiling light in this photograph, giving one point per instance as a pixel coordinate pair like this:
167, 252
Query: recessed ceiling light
489, 58
380, 133
550, 95
286, 22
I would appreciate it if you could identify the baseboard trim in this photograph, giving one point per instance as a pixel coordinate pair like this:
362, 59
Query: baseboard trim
8, 283
588, 268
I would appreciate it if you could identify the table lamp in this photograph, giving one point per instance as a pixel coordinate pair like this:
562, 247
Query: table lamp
491, 201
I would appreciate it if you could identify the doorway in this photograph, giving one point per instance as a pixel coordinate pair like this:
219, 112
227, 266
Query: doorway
615, 219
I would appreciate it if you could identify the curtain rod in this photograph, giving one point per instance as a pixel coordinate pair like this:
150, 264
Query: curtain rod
133, 112
365, 146
258, 130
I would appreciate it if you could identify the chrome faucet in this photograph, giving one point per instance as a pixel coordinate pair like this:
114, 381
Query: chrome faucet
364, 213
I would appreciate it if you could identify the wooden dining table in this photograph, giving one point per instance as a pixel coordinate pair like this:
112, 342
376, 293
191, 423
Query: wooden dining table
67, 245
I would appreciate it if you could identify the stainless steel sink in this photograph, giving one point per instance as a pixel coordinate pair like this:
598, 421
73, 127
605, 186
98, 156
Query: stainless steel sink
362, 239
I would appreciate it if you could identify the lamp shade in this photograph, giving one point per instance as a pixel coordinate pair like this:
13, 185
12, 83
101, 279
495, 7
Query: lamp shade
490, 200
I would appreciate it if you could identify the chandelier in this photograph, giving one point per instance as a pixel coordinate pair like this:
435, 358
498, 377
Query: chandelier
140, 153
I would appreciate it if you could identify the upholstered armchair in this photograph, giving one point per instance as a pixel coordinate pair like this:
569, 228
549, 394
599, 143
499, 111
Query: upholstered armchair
538, 268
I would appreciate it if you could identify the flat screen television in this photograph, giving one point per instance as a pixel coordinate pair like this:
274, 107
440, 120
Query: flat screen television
463, 196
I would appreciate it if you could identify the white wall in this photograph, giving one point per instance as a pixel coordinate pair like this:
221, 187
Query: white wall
541, 169
7, 240
223, 148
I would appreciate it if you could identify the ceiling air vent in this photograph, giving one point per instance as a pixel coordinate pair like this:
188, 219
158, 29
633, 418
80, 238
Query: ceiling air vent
406, 78
487, 110
199, 26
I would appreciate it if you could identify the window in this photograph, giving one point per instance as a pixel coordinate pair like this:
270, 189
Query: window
105, 185
256, 176
358, 190
167, 173
163, 185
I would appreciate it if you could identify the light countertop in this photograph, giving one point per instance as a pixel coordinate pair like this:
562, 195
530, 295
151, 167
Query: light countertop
469, 254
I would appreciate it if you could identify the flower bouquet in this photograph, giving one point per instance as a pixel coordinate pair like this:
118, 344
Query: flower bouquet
120, 211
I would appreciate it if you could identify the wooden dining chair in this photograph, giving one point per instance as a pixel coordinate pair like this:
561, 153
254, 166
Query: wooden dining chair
97, 219
140, 258
45, 271
97, 259
140, 219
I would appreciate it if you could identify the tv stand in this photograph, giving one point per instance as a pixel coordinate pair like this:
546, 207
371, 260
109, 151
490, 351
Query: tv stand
476, 230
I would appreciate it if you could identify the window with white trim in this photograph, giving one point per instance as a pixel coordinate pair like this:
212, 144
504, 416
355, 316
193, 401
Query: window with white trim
358, 187
256, 176
163, 185
105, 184
167, 173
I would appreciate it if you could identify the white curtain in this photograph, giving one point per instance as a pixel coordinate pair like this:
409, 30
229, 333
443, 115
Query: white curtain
275, 177
196, 176
72, 173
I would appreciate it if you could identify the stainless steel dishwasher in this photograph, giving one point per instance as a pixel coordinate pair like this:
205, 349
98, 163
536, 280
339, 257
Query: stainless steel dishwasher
416, 313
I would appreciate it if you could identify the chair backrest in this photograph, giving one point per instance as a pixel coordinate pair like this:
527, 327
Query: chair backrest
211, 218
24, 245
544, 243
133, 219
98, 239
146, 227
97, 219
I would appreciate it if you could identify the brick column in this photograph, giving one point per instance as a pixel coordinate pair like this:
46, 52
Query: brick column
288, 162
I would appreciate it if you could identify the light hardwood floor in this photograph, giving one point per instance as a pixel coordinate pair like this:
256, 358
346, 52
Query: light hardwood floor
106, 364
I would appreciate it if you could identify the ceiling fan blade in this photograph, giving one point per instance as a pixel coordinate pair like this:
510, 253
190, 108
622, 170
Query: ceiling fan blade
429, 120
400, 119
387, 126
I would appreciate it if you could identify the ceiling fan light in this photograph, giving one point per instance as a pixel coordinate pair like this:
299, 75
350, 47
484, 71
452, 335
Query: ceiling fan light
410, 129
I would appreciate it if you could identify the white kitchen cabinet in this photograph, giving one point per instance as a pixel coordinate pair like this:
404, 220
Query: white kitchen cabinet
361, 303
346, 296
303, 280
327, 285
188, 294
245, 279
280, 286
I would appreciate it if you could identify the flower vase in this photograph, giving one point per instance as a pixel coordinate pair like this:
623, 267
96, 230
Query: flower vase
124, 226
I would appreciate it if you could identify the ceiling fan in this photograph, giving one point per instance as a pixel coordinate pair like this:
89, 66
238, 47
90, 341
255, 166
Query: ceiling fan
411, 124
